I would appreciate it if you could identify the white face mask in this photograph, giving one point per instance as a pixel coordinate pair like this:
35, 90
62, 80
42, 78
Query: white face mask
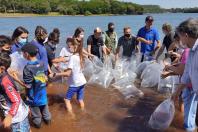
82, 36
46, 39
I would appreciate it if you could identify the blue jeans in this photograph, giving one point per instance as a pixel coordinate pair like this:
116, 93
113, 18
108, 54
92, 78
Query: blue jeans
190, 100
22, 126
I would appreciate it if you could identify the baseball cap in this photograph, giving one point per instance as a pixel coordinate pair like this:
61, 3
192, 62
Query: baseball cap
149, 18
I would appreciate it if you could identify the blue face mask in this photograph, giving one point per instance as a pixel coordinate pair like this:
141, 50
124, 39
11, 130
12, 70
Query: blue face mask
22, 41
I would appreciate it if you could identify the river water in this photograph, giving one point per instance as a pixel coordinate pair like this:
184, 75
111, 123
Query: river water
67, 24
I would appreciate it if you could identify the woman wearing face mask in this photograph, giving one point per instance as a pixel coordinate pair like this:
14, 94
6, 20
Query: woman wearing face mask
79, 36
19, 38
5, 46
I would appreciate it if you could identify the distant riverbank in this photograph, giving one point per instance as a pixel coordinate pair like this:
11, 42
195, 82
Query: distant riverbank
28, 14
7, 15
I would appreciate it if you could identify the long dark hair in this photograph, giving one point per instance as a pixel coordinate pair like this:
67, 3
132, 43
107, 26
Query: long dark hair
53, 38
78, 31
18, 31
79, 50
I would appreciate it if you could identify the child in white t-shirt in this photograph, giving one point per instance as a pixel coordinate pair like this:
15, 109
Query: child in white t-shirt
76, 80
61, 62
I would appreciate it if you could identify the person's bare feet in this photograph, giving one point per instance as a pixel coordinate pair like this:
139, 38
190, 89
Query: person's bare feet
72, 115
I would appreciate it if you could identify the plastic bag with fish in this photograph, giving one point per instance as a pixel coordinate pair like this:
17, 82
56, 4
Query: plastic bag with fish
103, 78
140, 67
127, 88
109, 62
166, 85
163, 115
88, 69
98, 65
151, 74
124, 68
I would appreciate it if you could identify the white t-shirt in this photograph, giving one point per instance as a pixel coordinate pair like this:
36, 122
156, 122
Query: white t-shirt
64, 52
77, 78
18, 63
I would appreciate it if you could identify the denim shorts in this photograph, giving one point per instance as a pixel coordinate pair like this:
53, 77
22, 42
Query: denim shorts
22, 126
79, 91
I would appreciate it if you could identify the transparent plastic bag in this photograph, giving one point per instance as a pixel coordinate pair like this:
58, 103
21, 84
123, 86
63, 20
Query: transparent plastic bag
163, 115
103, 78
150, 76
148, 56
127, 88
140, 67
119, 69
18, 63
98, 65
124, 68
88, 69
96, 61
109, 62
166, 85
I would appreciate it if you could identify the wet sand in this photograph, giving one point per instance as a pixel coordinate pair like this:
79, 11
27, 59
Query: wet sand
106, 111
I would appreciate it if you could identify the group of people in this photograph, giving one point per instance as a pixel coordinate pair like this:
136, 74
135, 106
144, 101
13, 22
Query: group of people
39, 56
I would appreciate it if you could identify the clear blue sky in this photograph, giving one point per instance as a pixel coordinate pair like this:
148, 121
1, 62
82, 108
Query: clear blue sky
167, 3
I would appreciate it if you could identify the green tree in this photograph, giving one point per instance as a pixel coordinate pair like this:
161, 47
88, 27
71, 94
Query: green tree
41, 7
4, 5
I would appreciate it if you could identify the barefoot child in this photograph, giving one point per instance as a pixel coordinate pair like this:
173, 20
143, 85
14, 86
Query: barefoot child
14, 110
76, 79
35, 80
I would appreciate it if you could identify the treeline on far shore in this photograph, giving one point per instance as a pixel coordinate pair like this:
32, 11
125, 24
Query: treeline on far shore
158, 9
83, 7
70, 7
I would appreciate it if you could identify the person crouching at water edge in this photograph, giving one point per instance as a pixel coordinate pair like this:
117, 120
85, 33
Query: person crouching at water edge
76, 79
35, 79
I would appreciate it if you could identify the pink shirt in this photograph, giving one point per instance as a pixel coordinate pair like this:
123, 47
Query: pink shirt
185, 56
184, 60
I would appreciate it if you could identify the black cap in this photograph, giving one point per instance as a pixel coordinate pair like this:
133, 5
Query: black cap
149, 18
31, 49
110, 24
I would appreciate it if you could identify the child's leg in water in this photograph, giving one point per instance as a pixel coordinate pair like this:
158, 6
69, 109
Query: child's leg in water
80, 96
69, 107
82, 105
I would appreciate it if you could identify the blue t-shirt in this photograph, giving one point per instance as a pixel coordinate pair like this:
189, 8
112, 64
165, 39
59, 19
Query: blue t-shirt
152, 35
35, 79
42, 54
16, 47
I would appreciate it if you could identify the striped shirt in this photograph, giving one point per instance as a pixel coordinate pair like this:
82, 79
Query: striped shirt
190, 74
